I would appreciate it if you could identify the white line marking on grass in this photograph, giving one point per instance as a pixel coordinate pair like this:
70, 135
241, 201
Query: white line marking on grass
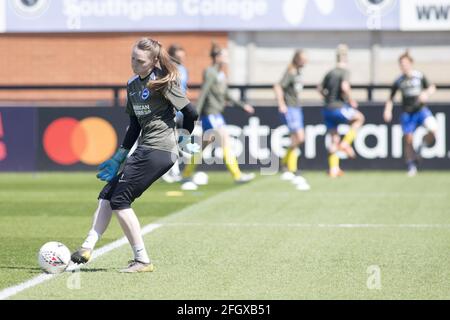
309, 225
11, 291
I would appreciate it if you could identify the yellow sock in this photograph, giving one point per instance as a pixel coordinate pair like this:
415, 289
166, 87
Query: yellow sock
350, 136
285, 159
333, 161
189, 170
231, 163
292, 160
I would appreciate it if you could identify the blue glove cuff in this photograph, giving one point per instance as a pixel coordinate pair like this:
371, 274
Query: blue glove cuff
121, 155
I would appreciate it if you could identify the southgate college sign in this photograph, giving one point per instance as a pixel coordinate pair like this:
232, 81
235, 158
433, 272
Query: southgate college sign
196, 15
222, 15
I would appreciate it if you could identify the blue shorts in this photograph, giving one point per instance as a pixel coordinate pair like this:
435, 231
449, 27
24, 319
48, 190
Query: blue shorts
293, 119
411, 121
212, 121
333, 117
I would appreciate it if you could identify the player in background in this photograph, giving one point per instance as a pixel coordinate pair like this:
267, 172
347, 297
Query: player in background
211, 103
340, 108
416, 91
287, 93
153, 96
178, 55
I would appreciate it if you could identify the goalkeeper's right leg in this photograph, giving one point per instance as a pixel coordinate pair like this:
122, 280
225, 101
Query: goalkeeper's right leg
100, 222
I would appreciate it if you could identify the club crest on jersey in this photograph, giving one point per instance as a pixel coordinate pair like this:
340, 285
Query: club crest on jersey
145, 94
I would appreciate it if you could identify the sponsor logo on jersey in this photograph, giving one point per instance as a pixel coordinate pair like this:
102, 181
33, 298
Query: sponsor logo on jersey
142, 109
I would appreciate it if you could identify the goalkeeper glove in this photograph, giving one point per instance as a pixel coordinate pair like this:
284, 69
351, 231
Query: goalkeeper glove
184, 141
109, 168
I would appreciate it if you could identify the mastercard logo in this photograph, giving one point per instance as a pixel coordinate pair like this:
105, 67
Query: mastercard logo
91, 141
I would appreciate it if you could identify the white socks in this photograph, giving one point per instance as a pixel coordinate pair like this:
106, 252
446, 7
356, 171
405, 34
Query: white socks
130, 226
101, 220
140, 254
91, 240
132, 229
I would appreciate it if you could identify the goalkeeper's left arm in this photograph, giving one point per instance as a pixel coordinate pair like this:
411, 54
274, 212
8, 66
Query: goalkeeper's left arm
190, 116
110, 168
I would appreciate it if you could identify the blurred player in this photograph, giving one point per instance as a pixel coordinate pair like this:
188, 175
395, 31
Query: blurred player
416, 91
287, 92
153, 95
178, 56
340, 108
211, 103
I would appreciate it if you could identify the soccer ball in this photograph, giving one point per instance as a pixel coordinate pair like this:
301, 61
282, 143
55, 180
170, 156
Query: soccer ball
54, 257
200, 179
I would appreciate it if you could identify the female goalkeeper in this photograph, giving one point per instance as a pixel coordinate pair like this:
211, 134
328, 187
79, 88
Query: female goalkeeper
153, 96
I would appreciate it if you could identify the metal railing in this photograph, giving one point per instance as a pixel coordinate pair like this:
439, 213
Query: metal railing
116, 89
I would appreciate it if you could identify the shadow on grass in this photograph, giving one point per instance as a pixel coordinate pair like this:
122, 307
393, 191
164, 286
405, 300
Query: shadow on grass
39, 270
91, 270
31, 269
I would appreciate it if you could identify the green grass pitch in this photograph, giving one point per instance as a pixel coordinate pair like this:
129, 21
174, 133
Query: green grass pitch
264, 240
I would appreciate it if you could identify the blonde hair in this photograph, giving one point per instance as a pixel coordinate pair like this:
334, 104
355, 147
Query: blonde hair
169, 69
342, 53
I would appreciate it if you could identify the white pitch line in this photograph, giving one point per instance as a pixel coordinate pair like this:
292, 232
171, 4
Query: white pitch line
11, 291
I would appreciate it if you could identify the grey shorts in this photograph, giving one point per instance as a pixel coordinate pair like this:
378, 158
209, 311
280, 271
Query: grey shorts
142, 168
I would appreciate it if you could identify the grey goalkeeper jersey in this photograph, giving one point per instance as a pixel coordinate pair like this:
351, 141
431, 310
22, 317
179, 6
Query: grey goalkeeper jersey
155, 111
411, 88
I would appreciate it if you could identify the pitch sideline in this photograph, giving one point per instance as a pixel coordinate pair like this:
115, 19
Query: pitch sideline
14, 290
